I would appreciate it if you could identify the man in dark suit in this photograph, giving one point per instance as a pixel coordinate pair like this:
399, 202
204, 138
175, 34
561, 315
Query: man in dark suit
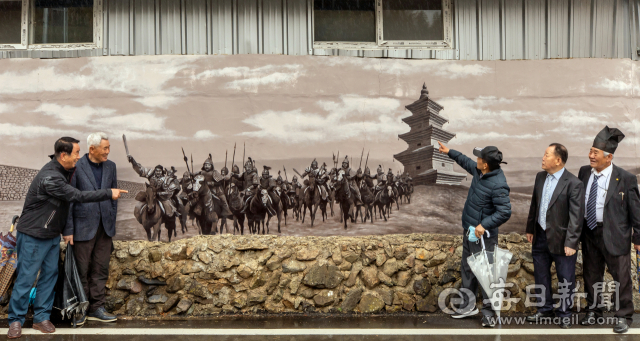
90, 226
611, 224
554, 227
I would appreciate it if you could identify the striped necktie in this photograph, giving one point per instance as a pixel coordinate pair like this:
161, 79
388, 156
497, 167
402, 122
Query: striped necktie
591, 204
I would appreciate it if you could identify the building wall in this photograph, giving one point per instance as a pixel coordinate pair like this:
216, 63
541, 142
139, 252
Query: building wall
483, 30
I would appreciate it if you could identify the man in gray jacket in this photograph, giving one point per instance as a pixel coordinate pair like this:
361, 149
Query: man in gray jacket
90, 226
487, 207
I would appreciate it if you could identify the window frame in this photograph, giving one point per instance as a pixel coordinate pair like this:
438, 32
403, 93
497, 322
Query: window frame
381, 44
27, 31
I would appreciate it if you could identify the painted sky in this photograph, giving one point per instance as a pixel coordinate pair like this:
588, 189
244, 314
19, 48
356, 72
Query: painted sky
301, 107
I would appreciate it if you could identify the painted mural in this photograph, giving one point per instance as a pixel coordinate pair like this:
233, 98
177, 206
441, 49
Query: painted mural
284, 112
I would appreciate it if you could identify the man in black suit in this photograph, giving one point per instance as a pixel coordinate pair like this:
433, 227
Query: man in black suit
553, 227
611, 223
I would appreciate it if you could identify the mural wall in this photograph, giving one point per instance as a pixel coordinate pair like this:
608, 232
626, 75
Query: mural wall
288, 110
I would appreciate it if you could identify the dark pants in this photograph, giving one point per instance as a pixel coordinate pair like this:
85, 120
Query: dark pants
469, 280
34, 255
595, 256
92, 260
565, 269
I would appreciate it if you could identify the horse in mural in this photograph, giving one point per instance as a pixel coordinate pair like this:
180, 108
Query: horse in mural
345, 198
367, 203
235, 205
311, 200
149, 215
382, 200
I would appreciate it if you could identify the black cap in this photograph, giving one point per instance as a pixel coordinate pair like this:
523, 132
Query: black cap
490, 155
607, 139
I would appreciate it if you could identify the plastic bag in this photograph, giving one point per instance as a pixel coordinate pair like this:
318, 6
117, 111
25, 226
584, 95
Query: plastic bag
70, 297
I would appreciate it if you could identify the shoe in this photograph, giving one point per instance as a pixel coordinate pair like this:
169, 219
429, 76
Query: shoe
488, 321
565, 323
102, 315
589, 319
621, 327
79, 320
45, 327
461, 315
537, 316
15, 330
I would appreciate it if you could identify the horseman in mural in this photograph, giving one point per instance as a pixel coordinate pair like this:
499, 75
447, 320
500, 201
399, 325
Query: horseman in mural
215, 181
249, 180
350, 175
319, 176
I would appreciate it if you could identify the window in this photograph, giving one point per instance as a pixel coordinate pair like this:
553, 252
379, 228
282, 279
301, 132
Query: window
419, 144
382, 24
50, 24
417, 167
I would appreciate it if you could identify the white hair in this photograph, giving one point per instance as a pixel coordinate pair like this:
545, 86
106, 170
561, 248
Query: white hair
605, 153
94, 139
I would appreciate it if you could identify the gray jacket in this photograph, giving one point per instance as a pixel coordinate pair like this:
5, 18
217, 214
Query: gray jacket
84, 218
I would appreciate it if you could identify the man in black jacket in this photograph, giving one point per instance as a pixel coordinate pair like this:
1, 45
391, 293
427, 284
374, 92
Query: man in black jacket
554, 227
43, 217
611, 224
487, 207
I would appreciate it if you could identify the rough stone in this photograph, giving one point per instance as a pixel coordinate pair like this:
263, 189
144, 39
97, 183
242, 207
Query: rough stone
155, 256
175, 284
183, 305
422, 287
353, 275
324, 298
436, 260
157, 299
390, 267
323, 276
403, 278
351, 300
385, 293
244, 271
370, 277
306, 254
170, 303
293, 266
370, 304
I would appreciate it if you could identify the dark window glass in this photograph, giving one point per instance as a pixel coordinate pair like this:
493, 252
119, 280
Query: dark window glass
10, 27
412, 20
62, 21
344, 20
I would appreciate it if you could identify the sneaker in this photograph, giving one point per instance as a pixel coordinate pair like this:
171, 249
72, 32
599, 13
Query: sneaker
460, 315
79, 320
488, 321
101, 315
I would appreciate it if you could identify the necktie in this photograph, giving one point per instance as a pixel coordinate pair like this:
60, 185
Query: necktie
545, 202
591, 204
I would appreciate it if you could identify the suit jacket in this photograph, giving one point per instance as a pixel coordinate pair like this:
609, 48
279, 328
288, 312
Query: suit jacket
84, 218
621, 214
565, 215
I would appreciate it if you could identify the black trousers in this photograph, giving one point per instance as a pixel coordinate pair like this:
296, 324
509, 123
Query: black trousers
595, 256
565, 269
92, 260
469, 280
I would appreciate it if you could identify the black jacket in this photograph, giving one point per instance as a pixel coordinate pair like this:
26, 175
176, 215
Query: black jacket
621, 215
46, 206
565, 214
488, 199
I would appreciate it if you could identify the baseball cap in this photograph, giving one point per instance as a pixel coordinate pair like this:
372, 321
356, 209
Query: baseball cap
489, 154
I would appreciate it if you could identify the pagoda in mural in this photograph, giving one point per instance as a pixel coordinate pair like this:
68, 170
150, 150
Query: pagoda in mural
422, 160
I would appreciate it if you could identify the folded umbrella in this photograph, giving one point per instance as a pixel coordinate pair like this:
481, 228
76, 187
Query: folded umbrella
70, 298
491, 268
8, 258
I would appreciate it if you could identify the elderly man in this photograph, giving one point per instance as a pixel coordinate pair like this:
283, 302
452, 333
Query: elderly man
43, 217
90, 226
554, 227
612, 223
487, 207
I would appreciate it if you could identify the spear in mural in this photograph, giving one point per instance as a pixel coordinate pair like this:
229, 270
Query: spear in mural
335, 165
224, 182
285, 174
244, 148
361, 155
233, 159
186, 162
366, 162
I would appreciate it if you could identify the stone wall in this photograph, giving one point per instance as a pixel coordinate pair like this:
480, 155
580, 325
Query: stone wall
15, 182
209, 275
